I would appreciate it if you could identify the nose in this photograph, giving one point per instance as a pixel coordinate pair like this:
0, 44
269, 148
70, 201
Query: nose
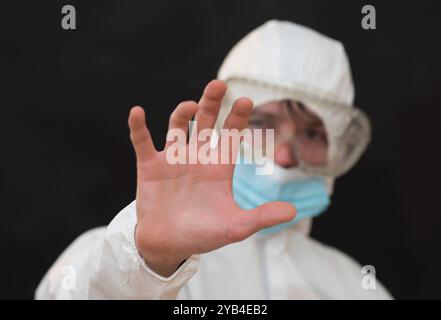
284, 157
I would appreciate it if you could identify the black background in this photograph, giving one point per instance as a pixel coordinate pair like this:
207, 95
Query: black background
67, 164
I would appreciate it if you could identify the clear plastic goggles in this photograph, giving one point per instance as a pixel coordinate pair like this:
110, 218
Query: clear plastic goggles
304, 134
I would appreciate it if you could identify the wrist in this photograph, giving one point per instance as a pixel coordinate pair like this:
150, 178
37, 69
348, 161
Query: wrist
164, 266
160, 262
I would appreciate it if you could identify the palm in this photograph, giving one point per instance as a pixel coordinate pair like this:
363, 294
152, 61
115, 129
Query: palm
195, 200
189, 208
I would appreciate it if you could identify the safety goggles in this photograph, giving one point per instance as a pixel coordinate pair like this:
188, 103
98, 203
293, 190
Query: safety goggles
303, 132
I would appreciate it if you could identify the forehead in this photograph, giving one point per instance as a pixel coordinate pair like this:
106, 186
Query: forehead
271, 107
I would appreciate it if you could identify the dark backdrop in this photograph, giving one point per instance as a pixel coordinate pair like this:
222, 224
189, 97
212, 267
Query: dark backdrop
67, 164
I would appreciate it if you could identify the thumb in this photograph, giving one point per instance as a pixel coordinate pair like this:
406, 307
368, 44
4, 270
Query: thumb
264, 216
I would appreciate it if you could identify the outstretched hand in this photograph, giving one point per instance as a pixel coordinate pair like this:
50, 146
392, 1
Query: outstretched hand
185, 209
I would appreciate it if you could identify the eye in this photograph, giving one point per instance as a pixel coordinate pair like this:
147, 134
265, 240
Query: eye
261, 123
315, 134
312, 133
255, 123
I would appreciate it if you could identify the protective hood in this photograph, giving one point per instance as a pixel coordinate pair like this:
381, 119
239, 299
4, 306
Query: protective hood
283, 60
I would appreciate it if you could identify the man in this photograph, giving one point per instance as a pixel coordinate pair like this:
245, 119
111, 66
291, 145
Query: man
208, 231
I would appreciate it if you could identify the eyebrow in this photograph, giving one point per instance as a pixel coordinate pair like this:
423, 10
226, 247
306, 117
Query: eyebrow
295, 109
299, 109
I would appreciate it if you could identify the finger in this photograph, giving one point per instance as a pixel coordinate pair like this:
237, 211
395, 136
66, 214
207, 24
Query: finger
267, 215
140, 135
209, 104
239, 114
180, 117
236, 121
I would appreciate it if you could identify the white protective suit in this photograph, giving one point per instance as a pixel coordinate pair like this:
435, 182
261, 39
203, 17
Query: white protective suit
103, 263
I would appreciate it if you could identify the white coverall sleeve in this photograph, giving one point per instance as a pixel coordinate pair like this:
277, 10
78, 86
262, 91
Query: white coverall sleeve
104, 263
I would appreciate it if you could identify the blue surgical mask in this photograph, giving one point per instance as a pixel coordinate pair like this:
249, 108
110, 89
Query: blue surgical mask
308, 194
